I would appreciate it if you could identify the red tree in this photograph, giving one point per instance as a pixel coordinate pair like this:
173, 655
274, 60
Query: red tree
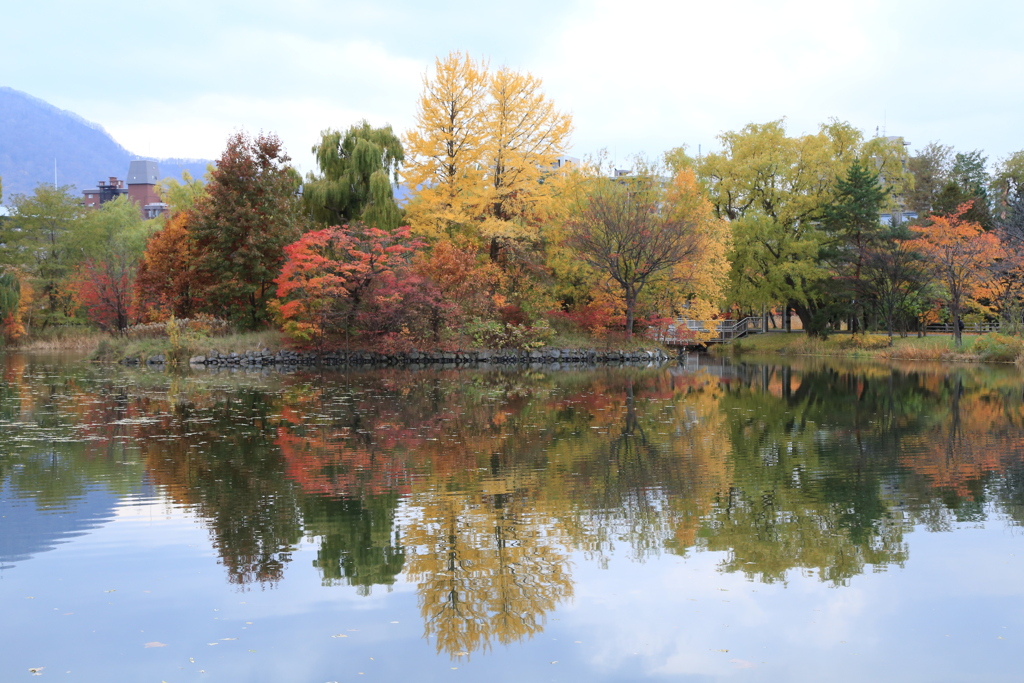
331, 276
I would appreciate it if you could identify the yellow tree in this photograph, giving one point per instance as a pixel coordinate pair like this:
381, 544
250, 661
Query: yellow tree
524, 136
697, 284
445, 150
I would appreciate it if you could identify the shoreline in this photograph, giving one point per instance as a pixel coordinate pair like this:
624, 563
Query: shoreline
542, 357
989, 347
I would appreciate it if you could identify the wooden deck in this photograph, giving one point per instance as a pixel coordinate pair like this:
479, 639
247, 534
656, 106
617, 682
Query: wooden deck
725, 331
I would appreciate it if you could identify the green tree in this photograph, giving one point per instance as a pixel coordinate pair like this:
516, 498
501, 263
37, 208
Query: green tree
968, 182
930, 167
41, 236
852, 223
184, 195
1008, 180
776, 188
10, 295
241, 227
893, 275
357, 170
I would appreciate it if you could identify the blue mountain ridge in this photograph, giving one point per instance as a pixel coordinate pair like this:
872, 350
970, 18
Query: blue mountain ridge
33, 133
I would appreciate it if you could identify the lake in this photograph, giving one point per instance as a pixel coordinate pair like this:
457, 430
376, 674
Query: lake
805, 520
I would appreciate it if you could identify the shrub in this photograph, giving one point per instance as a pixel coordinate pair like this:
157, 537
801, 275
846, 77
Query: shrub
998, 347
200, 326
864, 342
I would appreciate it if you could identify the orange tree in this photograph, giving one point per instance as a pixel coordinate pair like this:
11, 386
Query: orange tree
165, 283
960, 253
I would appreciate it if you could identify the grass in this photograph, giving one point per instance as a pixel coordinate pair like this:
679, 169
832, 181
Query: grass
64, 338
112, 349
991, 347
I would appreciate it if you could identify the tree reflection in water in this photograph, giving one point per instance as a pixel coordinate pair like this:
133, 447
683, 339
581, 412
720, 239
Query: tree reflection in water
483, 488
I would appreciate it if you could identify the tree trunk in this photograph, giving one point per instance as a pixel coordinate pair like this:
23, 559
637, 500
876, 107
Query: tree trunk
630, 309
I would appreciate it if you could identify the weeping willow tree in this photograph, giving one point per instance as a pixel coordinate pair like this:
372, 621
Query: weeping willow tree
357, 170
10, 295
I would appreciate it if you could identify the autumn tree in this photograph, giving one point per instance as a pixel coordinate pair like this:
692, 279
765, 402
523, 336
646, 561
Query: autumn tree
110, 243
242, 226
524, 136
329, 276
166, 281
1008, 272
445, 149
631, 231
455, 267
357, 170
959, 252
482, 144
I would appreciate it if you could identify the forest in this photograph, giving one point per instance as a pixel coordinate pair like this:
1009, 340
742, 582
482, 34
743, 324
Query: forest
500, 240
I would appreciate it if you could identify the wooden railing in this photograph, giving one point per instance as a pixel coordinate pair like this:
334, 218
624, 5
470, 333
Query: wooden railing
725, 331
969, 328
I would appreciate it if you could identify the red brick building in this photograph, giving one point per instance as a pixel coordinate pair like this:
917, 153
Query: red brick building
141, 189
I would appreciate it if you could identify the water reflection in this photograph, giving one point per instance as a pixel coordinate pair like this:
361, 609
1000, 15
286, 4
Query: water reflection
482, 489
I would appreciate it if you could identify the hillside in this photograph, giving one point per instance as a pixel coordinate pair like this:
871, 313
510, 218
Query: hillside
33, 133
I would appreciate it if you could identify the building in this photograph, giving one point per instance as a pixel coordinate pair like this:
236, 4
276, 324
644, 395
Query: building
143, 177
104, 192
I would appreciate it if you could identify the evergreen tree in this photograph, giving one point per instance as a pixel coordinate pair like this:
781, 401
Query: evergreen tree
968, 182
852, 223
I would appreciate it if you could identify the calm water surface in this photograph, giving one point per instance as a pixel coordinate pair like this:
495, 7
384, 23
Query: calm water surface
789, 522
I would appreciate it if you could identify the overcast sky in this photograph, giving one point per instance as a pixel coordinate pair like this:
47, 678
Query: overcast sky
638, 76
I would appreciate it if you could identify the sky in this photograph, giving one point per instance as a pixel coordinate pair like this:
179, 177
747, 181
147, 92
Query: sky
638, 76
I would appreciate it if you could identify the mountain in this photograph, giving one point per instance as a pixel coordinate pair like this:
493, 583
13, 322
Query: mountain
33, 133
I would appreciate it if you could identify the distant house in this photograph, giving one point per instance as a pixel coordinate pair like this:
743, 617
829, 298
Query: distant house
896, 217
141, 188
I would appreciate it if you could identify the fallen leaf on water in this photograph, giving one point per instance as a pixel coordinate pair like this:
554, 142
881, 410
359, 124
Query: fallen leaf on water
723, 650
156, 643
192, 661
112, 590
461, 654
340, 635
35, 670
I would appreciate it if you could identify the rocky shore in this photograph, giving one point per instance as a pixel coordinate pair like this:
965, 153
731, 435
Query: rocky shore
547, 357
